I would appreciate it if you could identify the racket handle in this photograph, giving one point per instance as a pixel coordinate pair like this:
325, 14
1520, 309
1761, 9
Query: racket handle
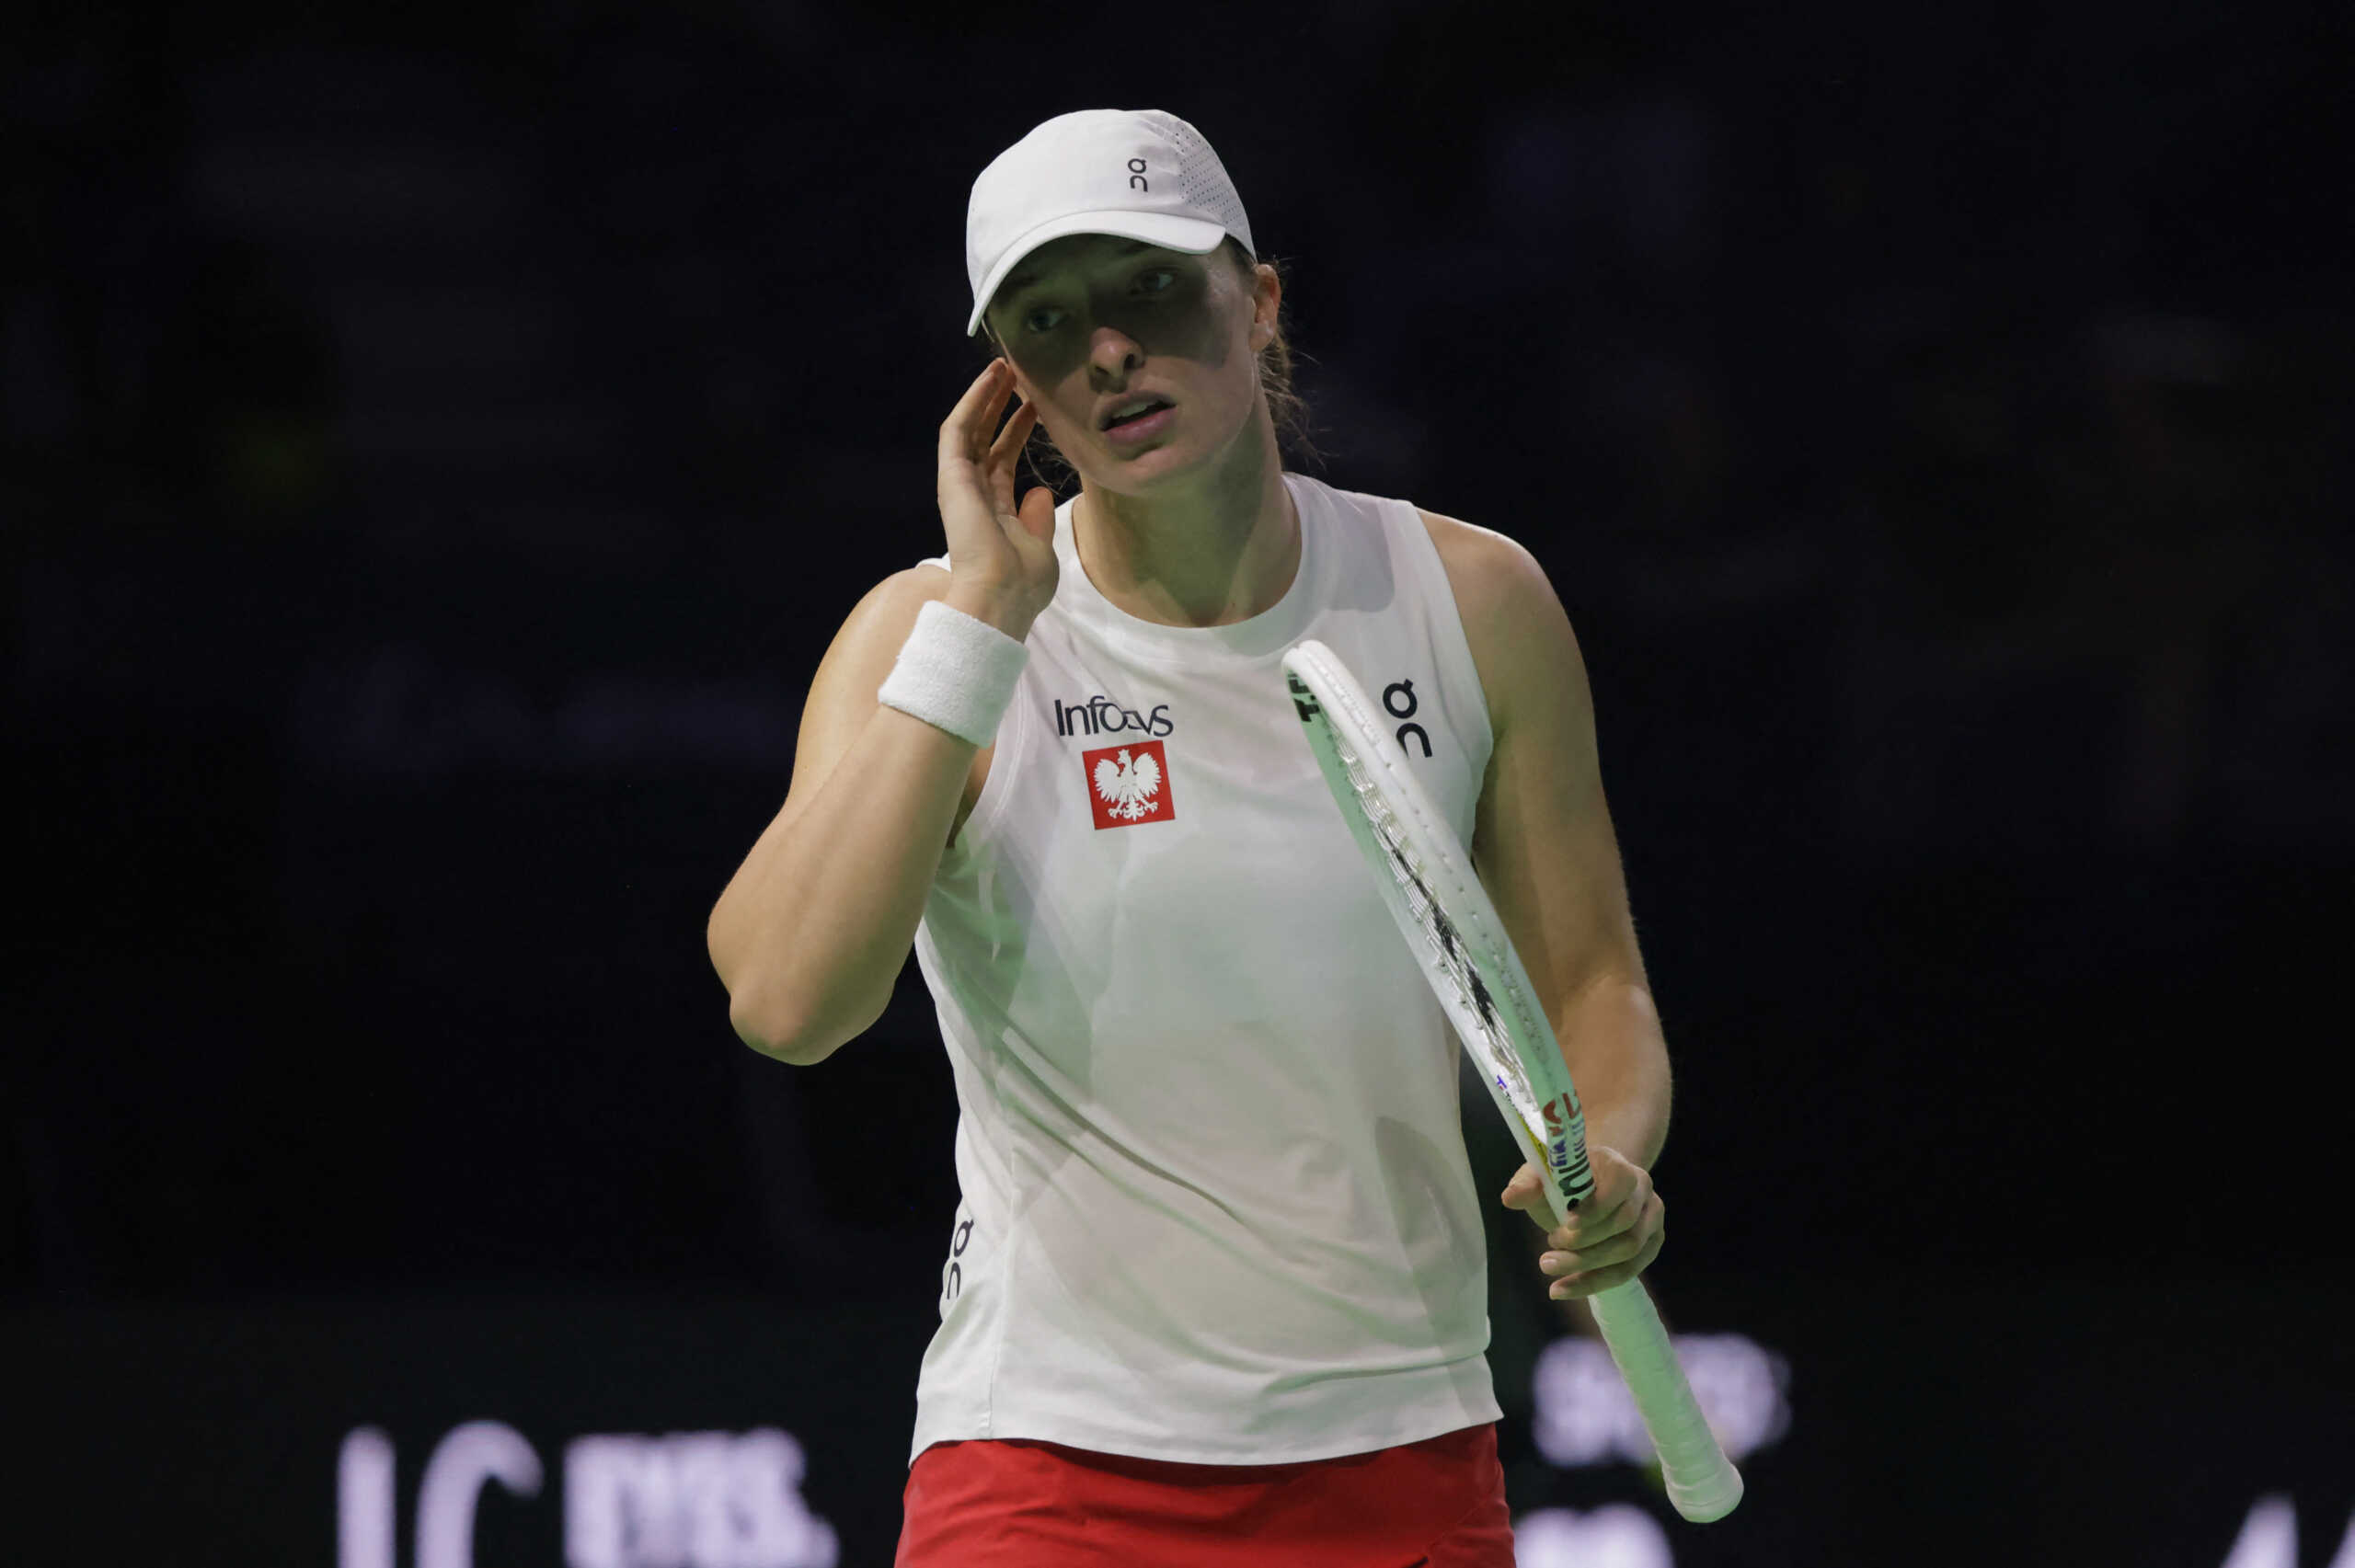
1701, 1482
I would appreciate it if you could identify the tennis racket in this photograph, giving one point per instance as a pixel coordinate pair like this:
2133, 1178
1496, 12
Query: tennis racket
1427, 884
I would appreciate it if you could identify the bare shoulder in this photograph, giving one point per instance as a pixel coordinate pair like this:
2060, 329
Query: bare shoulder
842, 694
888, 611
1483, 565
1513, 620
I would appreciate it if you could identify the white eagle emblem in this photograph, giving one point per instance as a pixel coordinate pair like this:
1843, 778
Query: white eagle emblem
1129, 788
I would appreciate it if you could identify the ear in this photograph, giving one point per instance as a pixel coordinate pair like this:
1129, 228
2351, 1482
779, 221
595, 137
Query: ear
1267, 297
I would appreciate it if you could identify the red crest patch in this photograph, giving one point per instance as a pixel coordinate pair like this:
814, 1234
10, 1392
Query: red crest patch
1128, 784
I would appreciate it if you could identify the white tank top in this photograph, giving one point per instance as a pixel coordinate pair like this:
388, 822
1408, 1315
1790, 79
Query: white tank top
1215, 1205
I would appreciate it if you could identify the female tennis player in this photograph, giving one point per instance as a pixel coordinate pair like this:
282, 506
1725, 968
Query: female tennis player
1215, 1294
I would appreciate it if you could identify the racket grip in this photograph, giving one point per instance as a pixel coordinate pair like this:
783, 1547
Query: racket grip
1701, 1482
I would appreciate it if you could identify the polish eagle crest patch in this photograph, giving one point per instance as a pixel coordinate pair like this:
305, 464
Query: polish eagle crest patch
1128, 784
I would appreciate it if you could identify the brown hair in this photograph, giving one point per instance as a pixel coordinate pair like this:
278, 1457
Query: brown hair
1285, 406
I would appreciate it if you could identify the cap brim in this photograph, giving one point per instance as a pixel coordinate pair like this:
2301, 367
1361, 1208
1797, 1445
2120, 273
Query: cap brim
1193, 236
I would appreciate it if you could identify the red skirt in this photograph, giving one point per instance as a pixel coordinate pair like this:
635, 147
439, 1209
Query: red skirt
1016, 1504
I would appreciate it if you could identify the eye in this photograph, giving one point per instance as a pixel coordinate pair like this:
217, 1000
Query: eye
1168, 281
1046, 318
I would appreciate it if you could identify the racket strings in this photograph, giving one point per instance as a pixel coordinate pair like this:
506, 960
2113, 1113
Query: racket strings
1494, 1046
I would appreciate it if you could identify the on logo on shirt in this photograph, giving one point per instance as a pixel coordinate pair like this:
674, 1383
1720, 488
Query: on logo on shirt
1128, 784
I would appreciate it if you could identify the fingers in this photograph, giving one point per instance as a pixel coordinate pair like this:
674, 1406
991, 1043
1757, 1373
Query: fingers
1621, 1191
965, 433
1005, 454
1610, 1239
1601, 1265
1527, 1193
1008, 444
1619, 1249
1589, 1225
1037, 513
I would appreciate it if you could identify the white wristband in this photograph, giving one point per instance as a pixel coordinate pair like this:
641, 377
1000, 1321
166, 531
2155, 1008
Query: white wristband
955, 672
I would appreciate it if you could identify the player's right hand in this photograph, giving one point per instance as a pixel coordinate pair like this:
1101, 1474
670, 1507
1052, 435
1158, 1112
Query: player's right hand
1001, 559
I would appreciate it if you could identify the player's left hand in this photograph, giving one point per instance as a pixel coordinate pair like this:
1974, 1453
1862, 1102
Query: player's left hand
1609, 1239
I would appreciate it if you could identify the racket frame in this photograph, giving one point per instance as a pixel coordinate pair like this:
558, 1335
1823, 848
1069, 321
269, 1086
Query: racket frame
1473, 970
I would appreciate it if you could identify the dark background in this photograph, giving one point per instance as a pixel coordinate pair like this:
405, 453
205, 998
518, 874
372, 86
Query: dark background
437, 442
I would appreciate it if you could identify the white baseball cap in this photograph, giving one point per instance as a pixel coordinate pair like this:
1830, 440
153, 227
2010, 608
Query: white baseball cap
1137, 173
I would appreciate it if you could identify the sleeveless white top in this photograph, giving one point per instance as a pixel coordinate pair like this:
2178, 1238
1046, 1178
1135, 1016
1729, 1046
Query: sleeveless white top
1216, 1203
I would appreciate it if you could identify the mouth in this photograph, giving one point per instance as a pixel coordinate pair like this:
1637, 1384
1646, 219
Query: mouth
1134, 412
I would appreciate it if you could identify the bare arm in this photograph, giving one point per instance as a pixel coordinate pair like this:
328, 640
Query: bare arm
1543, 842
810, 933
1546, 854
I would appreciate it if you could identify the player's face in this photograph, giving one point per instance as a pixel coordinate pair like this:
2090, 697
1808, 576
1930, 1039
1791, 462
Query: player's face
1101, 321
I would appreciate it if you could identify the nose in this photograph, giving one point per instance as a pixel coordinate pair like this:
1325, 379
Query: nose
1113, 354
